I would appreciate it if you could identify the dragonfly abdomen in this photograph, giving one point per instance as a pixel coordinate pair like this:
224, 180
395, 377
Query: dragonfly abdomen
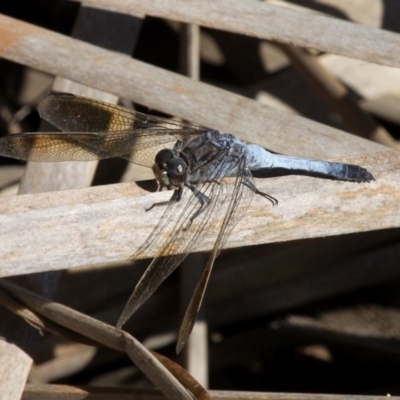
260, 158
346, 172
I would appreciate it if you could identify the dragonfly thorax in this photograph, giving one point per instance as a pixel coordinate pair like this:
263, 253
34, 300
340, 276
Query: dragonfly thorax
170, 169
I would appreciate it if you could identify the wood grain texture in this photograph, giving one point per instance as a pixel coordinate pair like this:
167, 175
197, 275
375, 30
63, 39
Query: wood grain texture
373, 13
273, 22
11, 355
62, 320
82, 227
42, 177
278, 277
338, 96
194, 357
53, 231
64, 392
174, 94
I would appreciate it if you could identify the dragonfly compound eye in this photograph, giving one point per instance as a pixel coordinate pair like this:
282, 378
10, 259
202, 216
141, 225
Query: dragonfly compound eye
177, 171
163, 157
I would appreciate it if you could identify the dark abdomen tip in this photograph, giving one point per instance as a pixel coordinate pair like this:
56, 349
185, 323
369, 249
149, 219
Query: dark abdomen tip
356, 173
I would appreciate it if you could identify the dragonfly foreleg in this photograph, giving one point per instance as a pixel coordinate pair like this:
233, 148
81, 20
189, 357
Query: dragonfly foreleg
204, 203
253, 187
176, 196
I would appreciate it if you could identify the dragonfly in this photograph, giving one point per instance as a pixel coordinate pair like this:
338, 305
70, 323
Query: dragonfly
209, 172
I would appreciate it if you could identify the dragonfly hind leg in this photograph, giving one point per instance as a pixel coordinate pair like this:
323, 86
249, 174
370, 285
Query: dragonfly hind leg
204, 203
253, 188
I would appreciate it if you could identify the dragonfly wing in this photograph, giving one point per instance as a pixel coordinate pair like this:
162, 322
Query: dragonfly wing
237, 206
152, 278
139, 147
174, 236
144, 146
171, 242
96, 130
72, 113
52, 147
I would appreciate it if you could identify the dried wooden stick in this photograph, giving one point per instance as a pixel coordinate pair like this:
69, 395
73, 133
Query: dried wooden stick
42, 177
174, 94
105, 224
51, 314
63, 392
325, 280
270, 21
362, 320
184, 377
195, 354
338, 96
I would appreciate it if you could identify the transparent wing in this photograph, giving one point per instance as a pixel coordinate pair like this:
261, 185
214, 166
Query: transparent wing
172, 241
139, 147
95, 130
238, 203
72, 113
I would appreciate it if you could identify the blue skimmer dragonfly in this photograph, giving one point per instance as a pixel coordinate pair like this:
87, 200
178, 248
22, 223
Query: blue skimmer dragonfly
195, 162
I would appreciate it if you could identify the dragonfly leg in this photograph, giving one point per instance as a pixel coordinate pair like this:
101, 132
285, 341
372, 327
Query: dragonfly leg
253, 187
176, 196
204, 203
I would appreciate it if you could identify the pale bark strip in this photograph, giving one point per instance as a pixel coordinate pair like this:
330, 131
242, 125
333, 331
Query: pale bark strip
50, 231
273, 22
13, 356
174, 94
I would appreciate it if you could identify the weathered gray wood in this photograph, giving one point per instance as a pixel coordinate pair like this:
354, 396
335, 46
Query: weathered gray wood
42, 177
190, 50
63, 365
338, 96
320, 192
262, 341
191, 100
362, 320
10, 175
277, 279
373, 13
385, 107
105, 224
89, 26
66, 321
377, 85
195, 354
273, 22
325, 281
11, 355
367, 79
63, 392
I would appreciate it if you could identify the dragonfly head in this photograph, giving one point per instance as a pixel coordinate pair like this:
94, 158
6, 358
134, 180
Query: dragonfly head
170, 170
